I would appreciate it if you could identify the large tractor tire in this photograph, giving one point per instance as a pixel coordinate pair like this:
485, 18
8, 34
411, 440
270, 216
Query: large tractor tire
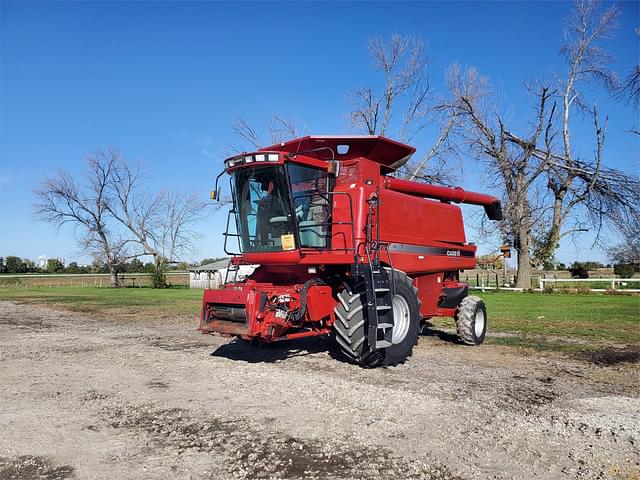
471, 321
350, 326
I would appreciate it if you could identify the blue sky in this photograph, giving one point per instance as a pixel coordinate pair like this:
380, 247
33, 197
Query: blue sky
164, 81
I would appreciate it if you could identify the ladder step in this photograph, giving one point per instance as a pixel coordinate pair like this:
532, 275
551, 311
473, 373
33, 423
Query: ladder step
382, 290
383, 307
385, 325
383, 344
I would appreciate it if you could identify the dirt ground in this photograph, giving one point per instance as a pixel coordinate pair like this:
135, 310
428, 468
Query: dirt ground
85, 396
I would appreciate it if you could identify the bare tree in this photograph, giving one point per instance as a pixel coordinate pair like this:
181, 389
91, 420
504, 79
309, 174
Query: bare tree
629, 90
627, 252
61, 201
405, 105
278, 129
116, 218
248, 134
281, 129
550, 192
160, 224
406, 88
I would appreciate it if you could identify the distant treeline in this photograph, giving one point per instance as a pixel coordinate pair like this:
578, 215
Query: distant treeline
13, 264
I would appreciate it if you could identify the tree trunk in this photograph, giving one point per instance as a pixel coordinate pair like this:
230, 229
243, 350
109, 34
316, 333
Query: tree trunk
115, 283
523, 277
159, 279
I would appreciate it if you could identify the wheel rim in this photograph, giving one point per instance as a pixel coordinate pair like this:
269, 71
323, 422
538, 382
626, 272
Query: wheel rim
479, 321
401, 319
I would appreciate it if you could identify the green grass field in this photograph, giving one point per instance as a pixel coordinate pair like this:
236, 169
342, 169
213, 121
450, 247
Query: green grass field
172, 301
589, 317
606, 317
544, 321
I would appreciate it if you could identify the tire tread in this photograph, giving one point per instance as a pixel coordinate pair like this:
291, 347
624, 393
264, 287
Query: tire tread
351, 322
465, 317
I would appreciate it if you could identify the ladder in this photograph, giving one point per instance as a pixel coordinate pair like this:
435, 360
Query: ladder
379, 306
378, 283
231, 275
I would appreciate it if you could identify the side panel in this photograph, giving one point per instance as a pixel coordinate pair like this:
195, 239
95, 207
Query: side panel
419, 259
429, 291
419, 221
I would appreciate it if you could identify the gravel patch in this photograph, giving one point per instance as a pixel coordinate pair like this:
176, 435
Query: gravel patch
88, 397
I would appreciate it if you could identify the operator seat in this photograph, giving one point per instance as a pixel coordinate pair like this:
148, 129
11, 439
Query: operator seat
313, 229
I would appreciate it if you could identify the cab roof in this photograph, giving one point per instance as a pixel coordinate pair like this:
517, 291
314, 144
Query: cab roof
377, 148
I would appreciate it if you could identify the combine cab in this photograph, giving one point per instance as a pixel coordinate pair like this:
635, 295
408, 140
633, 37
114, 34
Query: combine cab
344, 249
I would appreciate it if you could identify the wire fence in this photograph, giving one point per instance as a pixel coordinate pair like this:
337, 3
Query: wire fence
627, 285
87, 280
484, 281
487, 281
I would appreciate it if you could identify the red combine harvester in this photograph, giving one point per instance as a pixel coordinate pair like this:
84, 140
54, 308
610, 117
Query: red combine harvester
344, 249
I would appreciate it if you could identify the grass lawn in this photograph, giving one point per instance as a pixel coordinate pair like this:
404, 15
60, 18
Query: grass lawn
607, 317
172, 301
585, 316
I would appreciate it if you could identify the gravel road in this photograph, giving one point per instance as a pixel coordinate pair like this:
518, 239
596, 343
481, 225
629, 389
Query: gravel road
92, 396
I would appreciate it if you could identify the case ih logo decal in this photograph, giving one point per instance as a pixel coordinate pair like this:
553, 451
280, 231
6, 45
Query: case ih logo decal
407, 248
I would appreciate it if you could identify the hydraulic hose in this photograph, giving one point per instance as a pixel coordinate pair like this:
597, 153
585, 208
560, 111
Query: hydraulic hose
298, 315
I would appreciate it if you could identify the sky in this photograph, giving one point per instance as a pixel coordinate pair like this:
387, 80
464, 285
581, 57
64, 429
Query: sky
164, 81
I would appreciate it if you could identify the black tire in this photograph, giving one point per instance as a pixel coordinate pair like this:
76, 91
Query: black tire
350, 325
471, 313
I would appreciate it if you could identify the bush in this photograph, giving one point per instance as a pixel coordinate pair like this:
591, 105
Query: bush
578, 271
624, 270
159, 279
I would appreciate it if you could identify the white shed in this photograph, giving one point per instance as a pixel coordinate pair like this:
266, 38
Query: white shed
212, 275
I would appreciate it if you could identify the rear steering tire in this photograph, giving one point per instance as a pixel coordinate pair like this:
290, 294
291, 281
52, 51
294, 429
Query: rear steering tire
471, 321
350, 325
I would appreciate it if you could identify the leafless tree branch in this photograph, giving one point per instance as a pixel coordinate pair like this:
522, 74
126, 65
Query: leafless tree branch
61, 201
405, 104
549, 191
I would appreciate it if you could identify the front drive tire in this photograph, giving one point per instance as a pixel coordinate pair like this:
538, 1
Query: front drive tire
471, 321
350, 325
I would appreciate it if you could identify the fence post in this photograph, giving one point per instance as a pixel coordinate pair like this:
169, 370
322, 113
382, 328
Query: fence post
541, 283
613, 283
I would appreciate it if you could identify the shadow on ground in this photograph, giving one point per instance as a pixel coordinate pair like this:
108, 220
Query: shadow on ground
257, 352
612, 356
428, 330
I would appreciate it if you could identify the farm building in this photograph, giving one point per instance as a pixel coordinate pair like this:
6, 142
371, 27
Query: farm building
212, 275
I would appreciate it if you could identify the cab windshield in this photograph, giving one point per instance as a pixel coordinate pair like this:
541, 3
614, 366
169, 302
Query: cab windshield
271, 201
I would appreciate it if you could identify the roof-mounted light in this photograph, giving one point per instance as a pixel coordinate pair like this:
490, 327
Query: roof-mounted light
258, 157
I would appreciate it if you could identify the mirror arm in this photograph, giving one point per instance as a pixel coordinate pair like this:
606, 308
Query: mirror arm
215, 193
